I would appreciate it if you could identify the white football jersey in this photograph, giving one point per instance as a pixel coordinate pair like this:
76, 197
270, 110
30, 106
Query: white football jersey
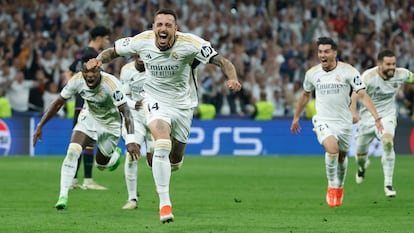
383, 92
132, 81
102, 101
333, 91
170, 75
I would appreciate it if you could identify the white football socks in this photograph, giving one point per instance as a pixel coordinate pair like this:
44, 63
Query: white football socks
68, 170
331, 165
131, 177
161, 170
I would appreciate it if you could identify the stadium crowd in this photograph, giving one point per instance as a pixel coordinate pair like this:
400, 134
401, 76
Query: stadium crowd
271, 43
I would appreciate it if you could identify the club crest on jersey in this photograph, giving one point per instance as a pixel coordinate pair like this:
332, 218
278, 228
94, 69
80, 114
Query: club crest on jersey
174, 55
338, 78
118, 95
206, 51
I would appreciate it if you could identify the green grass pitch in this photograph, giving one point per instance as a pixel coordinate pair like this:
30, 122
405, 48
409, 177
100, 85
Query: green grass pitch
209, 194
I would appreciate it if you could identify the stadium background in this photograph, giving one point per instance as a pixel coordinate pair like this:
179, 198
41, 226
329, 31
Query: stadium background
267, 40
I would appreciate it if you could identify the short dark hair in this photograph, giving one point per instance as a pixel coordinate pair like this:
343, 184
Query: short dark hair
327, 40
99, 31
385, 53
167, 12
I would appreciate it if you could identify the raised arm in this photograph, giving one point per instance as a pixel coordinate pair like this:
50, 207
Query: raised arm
53, 109
103, 57
229, 71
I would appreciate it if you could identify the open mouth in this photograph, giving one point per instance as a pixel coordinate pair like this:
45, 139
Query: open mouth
163, 38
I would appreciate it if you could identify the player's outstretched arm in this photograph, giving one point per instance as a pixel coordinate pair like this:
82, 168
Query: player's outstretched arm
130, 141
229, 71
366, 100
53, 109
303, 100
354, 108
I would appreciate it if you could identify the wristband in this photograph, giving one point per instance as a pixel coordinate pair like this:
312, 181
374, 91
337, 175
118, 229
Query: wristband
130, 138
378, 119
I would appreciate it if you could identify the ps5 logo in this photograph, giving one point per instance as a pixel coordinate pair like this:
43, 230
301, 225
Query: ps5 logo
239, 136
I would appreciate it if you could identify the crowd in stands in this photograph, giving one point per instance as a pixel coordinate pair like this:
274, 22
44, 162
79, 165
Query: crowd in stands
271, 43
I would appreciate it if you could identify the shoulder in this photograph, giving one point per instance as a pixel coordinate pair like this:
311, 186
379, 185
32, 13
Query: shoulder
399, 71
189, 38
145, 35
76, 77
346, 66
370, 73
128, 66
314, 69
110, 81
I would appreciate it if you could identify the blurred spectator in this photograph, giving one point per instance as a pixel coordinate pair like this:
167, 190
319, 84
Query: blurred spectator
36, 102
278, 103
18, 93
264, 39
263, 109
205, 110
50, 94
5, 107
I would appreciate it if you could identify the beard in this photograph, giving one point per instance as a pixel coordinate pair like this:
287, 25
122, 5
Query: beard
389, 73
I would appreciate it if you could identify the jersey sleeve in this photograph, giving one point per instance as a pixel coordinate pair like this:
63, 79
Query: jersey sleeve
409, 77
131, 45
356, 81
206, 52
307, 84
72, 87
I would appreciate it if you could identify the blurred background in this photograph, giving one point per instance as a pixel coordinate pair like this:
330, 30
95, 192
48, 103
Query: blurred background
271, 43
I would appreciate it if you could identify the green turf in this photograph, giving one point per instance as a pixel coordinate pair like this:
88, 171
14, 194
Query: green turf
209, 194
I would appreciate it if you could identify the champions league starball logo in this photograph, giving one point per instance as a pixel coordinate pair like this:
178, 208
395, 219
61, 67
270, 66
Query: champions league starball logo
5, 138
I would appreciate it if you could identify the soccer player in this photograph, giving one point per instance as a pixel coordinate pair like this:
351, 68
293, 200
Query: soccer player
333, 82
170, 58
382, 84
99, 40
132, 77
100, 121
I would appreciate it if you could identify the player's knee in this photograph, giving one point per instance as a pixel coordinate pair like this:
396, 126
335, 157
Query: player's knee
387, 144
74, 151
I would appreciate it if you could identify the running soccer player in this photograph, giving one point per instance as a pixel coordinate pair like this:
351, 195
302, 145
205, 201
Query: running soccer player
382, 84
170, 58
333, 82
132, 77
99, 122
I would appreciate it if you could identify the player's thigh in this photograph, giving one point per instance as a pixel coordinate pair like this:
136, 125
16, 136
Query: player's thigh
108, 138
389, 123
332, 136
87, 125
158, 117
181, 124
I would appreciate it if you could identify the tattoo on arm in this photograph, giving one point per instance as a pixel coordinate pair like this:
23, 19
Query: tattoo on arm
107, 55
226, 66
